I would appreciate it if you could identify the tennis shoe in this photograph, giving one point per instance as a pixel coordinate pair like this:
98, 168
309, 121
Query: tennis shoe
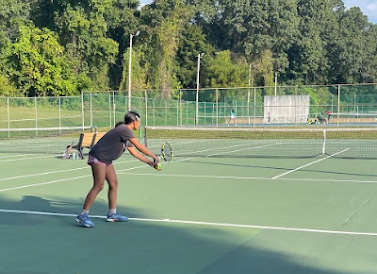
116, 217
83, 219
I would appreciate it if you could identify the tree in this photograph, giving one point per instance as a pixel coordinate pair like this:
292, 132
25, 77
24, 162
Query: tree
167, 20
347, 50
39, 65
192, 43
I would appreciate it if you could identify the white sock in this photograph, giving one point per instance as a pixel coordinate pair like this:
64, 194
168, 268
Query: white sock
85, 211
112, 211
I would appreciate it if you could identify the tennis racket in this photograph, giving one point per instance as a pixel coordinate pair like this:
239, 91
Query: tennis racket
166, 152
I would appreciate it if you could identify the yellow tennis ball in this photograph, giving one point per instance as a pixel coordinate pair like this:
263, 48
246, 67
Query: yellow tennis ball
158, 167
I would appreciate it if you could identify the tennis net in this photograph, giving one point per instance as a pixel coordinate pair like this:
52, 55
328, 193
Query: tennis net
51, 140
360, 143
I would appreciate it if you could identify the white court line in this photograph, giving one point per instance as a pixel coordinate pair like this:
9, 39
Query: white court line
248, 178
41, 174
45, 183
15, 156
28, 158
115, 163
56, 171
128, 169
222, 148
221, 153
309, 164
278, 228
61, 180
85, 176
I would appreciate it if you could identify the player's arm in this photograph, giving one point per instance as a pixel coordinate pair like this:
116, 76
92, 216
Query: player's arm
139, 156
143, 149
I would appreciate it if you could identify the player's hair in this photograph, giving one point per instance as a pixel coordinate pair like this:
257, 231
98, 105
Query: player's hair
119, 123
130, 117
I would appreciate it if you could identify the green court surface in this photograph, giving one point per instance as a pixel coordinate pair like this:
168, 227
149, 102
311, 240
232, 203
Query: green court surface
198, 215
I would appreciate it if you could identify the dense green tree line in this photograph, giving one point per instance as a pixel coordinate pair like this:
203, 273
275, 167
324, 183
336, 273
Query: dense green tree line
61, 47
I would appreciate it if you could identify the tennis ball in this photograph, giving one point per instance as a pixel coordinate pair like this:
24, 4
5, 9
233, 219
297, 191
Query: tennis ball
158, 167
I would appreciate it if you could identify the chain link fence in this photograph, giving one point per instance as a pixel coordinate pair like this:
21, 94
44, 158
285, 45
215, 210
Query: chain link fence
345, 103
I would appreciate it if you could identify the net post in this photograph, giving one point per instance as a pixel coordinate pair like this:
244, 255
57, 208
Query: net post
324, 142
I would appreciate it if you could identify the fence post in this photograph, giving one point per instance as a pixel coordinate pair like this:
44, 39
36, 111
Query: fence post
217, 107
60, 116
109, 110
296, 106
154, 111
180, 106
82, 111
8, 111
166, 112
338, 111
114, 118
146, 107
248, 104
177, 113
91, 109
254, 105
36, 116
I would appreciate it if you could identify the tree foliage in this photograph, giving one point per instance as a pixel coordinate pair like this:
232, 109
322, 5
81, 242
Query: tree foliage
63, 47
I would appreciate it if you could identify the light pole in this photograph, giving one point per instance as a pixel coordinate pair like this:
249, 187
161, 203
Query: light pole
200, 55
129, 70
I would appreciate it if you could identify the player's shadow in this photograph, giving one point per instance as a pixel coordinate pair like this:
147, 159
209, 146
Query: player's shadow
141, 246
32, 210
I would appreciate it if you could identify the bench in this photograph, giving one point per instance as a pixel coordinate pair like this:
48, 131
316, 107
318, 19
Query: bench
86, 140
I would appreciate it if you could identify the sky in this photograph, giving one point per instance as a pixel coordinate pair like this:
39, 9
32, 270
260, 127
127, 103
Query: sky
368, 7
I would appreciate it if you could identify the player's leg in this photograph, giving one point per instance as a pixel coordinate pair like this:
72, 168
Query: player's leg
99, 175
112, 180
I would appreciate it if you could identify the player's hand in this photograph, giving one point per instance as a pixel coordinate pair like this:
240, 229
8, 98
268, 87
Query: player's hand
155, 165
156, 159
158, 167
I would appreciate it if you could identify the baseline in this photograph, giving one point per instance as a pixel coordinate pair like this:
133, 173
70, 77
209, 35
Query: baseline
279, 228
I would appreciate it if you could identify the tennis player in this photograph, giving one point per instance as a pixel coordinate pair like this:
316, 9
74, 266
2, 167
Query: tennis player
109, 148
232, 117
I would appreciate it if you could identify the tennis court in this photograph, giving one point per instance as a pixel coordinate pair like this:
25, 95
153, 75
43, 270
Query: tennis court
202, 213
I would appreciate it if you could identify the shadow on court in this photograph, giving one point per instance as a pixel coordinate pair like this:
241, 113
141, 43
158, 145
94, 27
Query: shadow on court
34, 244
306, 170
